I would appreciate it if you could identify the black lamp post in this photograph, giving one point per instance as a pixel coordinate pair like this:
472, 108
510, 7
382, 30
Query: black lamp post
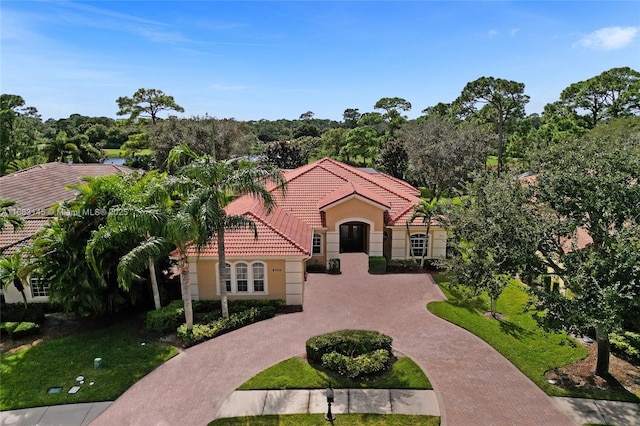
329, 416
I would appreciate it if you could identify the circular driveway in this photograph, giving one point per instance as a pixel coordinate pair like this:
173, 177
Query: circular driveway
474, 383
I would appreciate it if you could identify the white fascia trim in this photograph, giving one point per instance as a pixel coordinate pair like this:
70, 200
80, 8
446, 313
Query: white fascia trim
351, 197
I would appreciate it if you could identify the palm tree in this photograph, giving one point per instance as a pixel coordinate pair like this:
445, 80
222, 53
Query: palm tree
14, 269
6, 217
142, 217
426, 210
209, 186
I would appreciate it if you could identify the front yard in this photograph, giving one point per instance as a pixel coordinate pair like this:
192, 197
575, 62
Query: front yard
518, 338
28, 373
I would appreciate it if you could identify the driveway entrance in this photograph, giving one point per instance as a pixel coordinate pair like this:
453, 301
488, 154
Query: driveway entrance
474, 383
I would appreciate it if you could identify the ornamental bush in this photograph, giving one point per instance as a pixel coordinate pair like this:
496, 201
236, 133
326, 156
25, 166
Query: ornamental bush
19, 329
202, 332
346, 342
377, 264
361, 365
626, 345
16, 312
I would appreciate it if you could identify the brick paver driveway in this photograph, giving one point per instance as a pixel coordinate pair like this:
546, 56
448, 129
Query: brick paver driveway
475, 385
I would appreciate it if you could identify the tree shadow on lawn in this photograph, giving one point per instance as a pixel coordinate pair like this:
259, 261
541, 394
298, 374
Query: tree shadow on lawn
513, 329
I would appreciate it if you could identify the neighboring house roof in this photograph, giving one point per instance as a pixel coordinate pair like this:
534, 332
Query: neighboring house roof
11, 241
36, 189
310, 189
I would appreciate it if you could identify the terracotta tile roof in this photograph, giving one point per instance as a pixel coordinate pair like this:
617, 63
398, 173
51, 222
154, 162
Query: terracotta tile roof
38, 188
280, 233
10, 241
347, 190
287, 231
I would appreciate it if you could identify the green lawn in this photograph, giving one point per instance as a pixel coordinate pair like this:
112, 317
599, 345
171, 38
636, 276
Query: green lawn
296, 373
116, 152
341, 420
29, 373
518, 336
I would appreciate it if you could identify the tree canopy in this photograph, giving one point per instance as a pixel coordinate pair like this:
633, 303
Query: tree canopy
147, 103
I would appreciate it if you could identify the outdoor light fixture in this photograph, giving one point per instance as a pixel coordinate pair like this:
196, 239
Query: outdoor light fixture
329, 416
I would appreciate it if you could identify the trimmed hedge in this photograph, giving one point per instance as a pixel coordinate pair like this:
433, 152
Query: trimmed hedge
16, 312
19, 329
377, 264
168, 319
361, 365
202, 332
316, 268
346, 342
397, 266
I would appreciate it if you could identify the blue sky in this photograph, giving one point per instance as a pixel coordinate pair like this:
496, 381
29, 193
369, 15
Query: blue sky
254, 60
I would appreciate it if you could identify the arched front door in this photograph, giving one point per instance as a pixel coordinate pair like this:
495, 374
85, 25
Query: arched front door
353, 237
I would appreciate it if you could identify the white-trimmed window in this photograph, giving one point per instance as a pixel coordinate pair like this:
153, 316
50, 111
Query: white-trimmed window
418, 243
246, 278
39, 288
242, 278
258, 277
317, 244
227, 276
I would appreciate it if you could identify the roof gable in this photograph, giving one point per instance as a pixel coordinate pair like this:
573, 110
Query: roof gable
348, 190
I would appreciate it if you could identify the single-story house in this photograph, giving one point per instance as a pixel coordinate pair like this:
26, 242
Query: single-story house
329, 208
35, 191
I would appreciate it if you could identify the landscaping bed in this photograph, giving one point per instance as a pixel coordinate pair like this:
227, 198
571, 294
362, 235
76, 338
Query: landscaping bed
341, 419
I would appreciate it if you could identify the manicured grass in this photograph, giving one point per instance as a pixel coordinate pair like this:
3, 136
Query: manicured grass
341, 419
517, 337
29, 373
116, 152
296, 373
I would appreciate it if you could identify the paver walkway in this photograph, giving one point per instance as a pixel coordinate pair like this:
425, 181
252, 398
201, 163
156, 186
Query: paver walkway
474, 384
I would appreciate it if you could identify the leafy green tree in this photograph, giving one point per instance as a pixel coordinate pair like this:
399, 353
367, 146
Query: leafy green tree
394, 158
442, 109
147, 103
614, 93
426, 211
333, 140
350, 117
503, 100
224, 139
20, 128
493, 231
8, 216
209, 186
443, 155
305, 116
592, 188
285, 154
76, 149
363, 141
392, 108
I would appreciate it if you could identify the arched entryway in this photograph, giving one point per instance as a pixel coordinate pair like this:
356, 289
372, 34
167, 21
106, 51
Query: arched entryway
354, 237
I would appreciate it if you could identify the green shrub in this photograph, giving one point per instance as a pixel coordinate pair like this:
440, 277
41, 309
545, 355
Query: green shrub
202, 332
168, 319
19, 329
626, 345
346, 342
399, 266
334, 265
361, 365
377, 264
316, 268
16, 312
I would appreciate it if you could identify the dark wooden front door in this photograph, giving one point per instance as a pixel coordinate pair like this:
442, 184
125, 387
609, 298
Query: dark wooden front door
352, 238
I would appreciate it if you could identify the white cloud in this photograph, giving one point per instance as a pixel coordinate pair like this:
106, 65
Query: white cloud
493, 33
609, 38
514, 31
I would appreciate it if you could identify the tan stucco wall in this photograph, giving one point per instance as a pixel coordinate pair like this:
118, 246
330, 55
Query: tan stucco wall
12, 295
354, 208
400, 242
276, 285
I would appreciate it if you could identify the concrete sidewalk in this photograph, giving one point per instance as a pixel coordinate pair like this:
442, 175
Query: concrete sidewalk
384, 401
294, 401
55, 415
